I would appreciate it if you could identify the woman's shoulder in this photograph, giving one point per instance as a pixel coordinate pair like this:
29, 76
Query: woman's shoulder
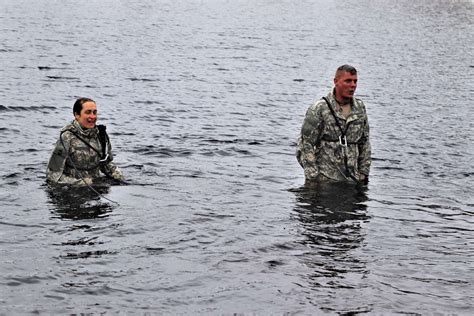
68, 127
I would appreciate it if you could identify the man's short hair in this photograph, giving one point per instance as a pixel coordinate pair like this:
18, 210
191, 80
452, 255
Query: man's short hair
346, 68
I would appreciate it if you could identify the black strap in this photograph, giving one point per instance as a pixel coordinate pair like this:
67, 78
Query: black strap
334, 140
343, 135
103, 138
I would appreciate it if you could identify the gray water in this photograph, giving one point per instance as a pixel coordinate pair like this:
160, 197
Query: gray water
204, 101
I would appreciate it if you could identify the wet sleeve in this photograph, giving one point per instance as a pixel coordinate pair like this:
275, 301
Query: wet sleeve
365, 150
310, 133
299, 149
57, 160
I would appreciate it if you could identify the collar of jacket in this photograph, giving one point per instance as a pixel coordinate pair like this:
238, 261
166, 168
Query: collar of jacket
355, 109
86, 132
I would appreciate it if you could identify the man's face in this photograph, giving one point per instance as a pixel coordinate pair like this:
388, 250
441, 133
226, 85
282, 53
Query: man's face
346, 85
88, 116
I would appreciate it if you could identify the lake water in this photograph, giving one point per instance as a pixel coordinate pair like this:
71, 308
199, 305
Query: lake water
204, 101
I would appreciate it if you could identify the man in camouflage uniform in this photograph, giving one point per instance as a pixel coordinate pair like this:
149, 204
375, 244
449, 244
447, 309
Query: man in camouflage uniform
79, 156
334, 141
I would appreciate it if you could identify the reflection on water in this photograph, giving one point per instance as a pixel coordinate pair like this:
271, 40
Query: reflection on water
79, 240
204, 101
75, 203
331, 202
330, 216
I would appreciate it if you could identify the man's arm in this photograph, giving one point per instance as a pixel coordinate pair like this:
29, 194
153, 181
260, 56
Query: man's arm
365, 160
310, 134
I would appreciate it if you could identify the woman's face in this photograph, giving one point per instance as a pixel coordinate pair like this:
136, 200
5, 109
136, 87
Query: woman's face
88, 116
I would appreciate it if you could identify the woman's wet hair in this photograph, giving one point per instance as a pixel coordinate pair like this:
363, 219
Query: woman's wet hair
77, 108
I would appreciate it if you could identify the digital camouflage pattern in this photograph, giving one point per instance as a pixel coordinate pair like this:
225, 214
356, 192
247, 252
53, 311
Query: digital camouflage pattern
73, 160
319, 151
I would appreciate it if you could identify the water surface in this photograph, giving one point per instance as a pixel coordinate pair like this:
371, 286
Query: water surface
204, 101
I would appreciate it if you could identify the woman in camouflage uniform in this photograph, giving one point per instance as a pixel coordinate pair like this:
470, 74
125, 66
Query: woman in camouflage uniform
83, 150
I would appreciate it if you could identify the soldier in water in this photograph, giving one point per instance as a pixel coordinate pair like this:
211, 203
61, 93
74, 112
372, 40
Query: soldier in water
334, 141
83, 150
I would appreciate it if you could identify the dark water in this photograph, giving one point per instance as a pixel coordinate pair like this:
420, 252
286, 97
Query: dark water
204, 101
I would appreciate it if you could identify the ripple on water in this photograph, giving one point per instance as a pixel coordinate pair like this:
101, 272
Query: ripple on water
204, 110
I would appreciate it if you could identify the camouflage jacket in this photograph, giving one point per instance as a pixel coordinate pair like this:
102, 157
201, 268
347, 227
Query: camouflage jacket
320, 152
72, 159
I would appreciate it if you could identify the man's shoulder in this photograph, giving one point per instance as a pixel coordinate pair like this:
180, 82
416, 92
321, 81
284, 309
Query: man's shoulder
318, 104
316, 108
358, 101
359, 104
